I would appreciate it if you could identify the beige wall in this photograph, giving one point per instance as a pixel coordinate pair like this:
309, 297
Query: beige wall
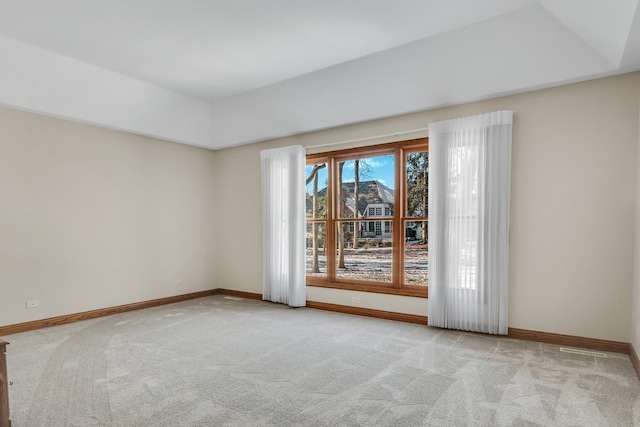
573, 206
635, 318
93, 218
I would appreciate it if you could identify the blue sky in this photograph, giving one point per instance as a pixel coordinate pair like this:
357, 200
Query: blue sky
379, 168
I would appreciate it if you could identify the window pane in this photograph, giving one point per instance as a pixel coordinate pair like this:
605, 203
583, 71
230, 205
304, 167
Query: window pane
370, 181
416, 265
316, 249
367, 255
316, 189
417, 183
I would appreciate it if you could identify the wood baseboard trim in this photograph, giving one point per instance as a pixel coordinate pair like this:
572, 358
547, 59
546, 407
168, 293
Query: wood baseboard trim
379, 314
569, 340
523, 334
101, 312
241, 294
635, 360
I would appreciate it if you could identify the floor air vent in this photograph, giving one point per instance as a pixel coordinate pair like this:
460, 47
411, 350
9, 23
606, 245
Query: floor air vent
583, 352
233, 298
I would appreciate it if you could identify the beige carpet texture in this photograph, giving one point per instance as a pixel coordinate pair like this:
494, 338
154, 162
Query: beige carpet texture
226, 361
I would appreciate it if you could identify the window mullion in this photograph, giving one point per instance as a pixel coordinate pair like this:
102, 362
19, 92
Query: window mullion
397, 239
331, 224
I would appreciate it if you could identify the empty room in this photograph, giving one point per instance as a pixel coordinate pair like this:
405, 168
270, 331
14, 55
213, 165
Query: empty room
340, 213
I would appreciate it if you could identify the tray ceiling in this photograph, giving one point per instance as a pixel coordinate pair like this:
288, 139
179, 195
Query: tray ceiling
220, 73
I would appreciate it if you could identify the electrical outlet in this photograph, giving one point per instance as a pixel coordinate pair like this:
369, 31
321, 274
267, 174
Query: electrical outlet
33, 303
355, 299
178, 283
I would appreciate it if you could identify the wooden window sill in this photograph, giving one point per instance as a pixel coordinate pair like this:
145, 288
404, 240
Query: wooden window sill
414, 291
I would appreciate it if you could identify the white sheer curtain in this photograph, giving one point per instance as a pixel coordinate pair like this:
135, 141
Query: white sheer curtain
283, 216
469, 195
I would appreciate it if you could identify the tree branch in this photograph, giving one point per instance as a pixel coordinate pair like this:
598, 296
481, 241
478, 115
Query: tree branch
315, 170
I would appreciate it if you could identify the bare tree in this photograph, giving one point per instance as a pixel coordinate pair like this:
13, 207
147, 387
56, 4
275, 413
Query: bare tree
425, 180
341, 201
356, 211
418, 187
315, 266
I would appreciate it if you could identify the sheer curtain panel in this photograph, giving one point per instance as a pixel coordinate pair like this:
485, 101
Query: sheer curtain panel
283, 216
469, 196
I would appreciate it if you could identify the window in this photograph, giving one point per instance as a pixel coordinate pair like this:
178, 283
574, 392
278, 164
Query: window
346, 190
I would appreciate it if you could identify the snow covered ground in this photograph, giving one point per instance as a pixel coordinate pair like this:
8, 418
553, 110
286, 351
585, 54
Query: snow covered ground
374, 264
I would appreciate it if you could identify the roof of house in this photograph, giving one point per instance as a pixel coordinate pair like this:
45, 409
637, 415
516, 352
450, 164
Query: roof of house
369, 192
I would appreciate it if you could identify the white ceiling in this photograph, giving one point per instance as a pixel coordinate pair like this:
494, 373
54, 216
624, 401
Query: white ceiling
220, 73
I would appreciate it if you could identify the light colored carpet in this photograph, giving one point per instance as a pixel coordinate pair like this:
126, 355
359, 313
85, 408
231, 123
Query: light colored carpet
220, 361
